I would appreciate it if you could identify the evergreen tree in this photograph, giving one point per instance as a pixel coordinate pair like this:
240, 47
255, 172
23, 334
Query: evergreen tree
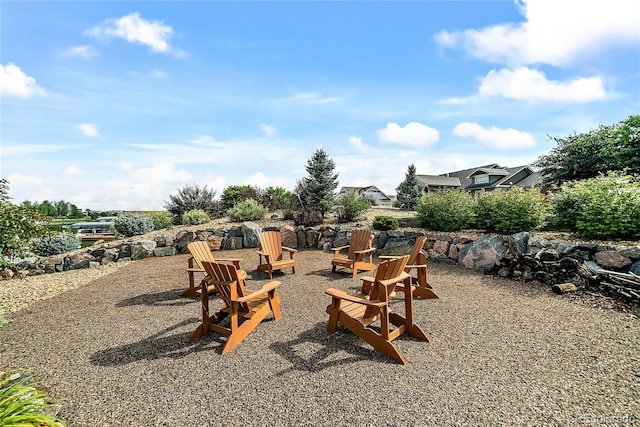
321, 182
4, 190
410, 190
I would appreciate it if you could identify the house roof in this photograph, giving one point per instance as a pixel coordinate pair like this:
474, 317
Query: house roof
522, 176
360, 190
439, 180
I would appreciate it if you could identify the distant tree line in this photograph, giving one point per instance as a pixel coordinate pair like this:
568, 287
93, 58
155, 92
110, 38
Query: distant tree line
56, 208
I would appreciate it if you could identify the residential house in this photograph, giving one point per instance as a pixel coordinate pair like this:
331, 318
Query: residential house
483, 178
372, 192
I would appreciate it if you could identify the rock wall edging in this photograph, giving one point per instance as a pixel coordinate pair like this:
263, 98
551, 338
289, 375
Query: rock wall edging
517, 256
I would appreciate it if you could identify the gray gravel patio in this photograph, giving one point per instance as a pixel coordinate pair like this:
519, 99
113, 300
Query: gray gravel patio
115, 353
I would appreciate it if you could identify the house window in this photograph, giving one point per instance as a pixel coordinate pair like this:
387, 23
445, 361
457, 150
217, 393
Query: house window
482, 179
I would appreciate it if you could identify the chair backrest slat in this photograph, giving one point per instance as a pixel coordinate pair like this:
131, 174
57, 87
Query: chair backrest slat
224, 277
359, 240
387, 269
413, 257
200, 251
271, 244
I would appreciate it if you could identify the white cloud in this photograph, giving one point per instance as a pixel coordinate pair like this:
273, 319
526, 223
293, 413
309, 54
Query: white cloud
74, 170
311, 98
87, 129
267, 130
503, 139
553, 32
84, 51
149, 186
413, 133
206, 140
21, 180
15, 83
356, 142
524, 83
159, 74
133, 28
125, 166
261, 180
26, 149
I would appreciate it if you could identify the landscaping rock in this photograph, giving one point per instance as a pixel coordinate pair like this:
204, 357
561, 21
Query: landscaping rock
141, 249
482, 254
612, 259
250, 234
289, 237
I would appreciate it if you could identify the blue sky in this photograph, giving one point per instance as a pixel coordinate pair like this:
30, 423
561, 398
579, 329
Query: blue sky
116, 105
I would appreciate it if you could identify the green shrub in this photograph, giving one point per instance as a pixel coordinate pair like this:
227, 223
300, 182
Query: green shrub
307, 217
384, 222
195, 217
161, 219
234, 194
609, 207
22, 404
565, 208
512, 211
247, 211
18, 228
446, 210
351, 207
133, 224
56, 244
274, 198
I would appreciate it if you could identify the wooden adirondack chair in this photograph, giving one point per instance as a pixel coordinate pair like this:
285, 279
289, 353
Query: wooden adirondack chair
417, 261
201, 251
245, 308
271, 250
359, 247
359, 312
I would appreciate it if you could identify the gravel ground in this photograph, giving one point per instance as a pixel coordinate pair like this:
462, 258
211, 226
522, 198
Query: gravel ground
115, 353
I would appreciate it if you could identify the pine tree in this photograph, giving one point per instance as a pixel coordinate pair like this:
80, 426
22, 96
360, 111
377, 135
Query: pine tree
410, 190
321, 182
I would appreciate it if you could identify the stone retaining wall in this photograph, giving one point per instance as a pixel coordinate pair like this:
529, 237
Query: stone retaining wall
517, 256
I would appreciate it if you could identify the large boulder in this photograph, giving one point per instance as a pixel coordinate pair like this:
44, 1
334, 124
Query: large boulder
141, 249
612, 259
250, 234
182, 239
78, 261
289, 237
483, 253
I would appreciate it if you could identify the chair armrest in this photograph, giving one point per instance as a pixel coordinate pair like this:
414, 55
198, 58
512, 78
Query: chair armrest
338, 249
229, 259
200, 270
402, 276
289, 249
335, 293
365, 251
261, 253
416, 266
265, 289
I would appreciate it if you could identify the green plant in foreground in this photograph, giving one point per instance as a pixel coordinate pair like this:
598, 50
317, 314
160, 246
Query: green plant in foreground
22, 404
